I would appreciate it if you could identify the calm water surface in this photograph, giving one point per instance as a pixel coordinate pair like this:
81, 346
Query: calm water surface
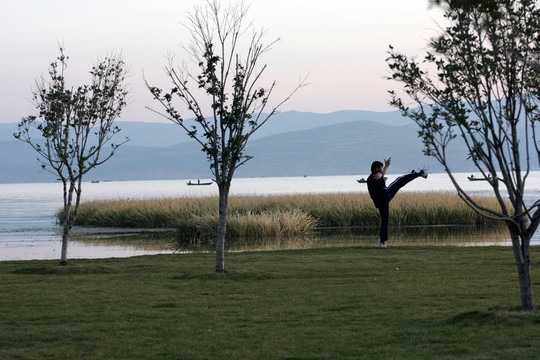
28, 229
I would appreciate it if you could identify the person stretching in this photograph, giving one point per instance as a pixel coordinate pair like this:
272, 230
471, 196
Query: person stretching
382, 194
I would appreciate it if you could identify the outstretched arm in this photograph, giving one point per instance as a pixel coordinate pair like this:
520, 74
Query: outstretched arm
386, 165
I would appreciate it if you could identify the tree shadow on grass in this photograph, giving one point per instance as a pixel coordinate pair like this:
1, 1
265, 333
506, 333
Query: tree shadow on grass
64, 270
495, 317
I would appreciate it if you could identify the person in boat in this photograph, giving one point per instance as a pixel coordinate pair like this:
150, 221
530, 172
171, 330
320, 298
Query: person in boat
382, 194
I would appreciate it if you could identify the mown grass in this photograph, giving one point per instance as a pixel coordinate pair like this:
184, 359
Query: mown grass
337, 303
278, 216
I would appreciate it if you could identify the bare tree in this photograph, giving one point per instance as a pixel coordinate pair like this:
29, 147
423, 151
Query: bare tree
227, 54
72, 127
486, 93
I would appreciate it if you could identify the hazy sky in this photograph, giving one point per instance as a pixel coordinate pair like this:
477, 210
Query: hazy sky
341, 44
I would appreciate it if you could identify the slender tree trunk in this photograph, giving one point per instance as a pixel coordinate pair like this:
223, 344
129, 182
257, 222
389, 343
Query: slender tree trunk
69, 219
65, 237
521, 253
222, 228
65, 233
68, 193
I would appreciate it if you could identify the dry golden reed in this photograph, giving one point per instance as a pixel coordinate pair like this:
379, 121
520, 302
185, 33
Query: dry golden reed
279, 216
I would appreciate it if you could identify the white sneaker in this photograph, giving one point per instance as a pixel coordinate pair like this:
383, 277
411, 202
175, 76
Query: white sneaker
382, 245
425, 172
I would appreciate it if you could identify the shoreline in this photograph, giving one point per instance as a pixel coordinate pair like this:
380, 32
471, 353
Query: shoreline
27, 210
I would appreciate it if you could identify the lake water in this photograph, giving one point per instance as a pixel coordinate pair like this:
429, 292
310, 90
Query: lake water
28, 229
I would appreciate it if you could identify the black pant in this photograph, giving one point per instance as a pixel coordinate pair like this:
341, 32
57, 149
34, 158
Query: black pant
382, 201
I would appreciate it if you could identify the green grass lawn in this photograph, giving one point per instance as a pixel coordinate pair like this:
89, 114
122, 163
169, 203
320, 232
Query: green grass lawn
337, 303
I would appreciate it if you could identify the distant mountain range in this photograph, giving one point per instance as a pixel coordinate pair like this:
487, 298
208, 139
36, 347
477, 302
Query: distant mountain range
290, 144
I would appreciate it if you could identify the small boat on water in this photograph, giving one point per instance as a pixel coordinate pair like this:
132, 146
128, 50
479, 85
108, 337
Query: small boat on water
191, 183
474, 178
363, 181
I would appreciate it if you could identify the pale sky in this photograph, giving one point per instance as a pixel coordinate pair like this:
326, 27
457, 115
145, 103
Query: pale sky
341, 44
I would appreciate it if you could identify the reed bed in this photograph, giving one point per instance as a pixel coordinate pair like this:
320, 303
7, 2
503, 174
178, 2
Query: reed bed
278, 216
